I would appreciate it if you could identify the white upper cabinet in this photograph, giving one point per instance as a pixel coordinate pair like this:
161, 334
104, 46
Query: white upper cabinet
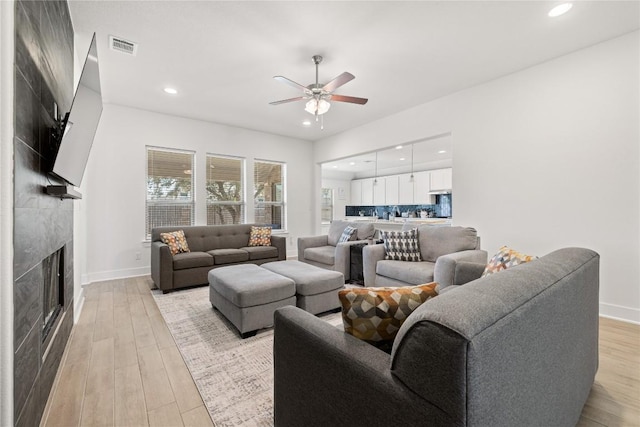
391, 189
421, 188
356, 192
441, 180
367, 191
405, 189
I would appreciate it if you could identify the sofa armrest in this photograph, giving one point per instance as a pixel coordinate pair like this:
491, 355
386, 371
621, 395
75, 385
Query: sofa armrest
280, 242
371, 254
310, 242
161, 266
319, 370
343, 257
467, 272
445, 268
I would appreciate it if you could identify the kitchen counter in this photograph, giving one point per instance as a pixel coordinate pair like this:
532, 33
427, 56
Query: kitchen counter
396, 223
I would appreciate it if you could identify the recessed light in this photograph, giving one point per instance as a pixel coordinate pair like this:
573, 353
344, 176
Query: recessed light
170, 90
561, 9
442, 151
335, 166
352, 163
401, 158
398, 147
306, 123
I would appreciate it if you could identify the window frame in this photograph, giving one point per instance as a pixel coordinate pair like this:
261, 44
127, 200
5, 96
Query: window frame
243, 184
151, 202
282, 204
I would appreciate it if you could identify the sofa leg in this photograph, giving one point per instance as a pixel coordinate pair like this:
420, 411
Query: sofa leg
248, 334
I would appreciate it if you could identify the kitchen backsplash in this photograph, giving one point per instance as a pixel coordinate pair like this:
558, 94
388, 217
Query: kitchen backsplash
439, 210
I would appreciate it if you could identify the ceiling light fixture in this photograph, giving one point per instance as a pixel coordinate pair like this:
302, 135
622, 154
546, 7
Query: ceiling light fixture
306, 123
352, 163
561, 9
398, 147
170, 90
402, 158
442, 151
317, 106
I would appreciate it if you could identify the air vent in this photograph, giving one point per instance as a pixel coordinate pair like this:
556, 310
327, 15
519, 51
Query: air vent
121, 45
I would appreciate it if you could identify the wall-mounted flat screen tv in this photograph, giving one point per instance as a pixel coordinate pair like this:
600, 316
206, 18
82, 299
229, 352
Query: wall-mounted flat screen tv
81, 122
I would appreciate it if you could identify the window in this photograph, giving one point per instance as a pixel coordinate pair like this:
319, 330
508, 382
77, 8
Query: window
268, 181
170, 199
225, 190
326, 210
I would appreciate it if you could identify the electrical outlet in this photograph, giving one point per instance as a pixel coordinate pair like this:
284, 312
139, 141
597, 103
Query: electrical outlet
138, 256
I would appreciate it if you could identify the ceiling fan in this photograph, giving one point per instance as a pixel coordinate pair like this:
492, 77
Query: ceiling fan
318, 96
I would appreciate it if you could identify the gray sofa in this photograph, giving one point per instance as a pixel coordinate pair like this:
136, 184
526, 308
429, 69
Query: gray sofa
516, 348
441, 248
211, 246
325, 251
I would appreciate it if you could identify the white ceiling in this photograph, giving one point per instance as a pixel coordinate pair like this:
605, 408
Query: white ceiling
221, 55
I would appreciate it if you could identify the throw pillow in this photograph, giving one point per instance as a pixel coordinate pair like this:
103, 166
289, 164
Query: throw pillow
376, 314
401, 245
260, 236
505, 258
176, 241
348, 234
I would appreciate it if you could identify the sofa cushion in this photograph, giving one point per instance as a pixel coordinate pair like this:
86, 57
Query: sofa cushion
505, 258
408, 272
176, 241
348, 234
260, 236
310, 280
321, 254
365, 230
228, 256
191, 259
438, 241
335, 231
376, 314
401, 245
261, 252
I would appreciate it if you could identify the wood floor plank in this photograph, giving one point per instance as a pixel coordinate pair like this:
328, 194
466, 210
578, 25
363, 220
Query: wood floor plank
161, 332
198, 417
68, 397
155, 381
165, 416
184, 389
104, 317
99, 391
126, 354
130, 406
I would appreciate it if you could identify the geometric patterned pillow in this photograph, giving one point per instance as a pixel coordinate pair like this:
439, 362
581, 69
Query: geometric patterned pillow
260, 236
401, 245
348, 233
176, 241
504, 259
376, 314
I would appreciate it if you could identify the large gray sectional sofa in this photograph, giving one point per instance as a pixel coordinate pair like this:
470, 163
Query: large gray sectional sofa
515, 348
211, 246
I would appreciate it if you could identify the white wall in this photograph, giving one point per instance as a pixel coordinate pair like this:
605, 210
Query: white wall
542, 159
115, 190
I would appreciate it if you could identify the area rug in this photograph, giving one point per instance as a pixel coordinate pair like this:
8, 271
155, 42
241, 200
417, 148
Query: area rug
234, 375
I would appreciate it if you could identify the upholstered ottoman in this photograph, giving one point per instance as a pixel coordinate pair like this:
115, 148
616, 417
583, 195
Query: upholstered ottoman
316, 288
247, 295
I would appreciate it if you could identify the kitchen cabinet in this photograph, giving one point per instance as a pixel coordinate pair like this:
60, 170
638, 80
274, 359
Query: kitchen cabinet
391, 189
405, 190
421, 188
367, 191
441, 179
379, 193
356, 192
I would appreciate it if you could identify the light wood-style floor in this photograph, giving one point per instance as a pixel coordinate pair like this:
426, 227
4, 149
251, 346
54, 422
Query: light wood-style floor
122, 368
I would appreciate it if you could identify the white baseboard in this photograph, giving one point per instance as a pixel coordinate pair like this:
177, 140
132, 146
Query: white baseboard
77, 309
114, 274
618, 312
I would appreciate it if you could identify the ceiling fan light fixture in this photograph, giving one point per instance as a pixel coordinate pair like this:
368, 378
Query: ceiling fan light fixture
317, 106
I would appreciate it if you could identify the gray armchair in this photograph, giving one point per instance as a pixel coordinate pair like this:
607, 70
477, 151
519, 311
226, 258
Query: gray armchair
441, 249
325, 251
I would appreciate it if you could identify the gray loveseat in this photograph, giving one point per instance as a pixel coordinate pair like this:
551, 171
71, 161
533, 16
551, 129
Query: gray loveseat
441, 248
211, 246
516, 348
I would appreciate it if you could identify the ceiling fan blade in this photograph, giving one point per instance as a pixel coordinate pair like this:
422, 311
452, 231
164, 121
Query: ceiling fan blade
284, 101
338, 81
351, 99
292, 83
